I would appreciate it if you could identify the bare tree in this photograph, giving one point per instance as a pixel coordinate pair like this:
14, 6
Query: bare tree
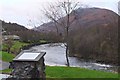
59, 13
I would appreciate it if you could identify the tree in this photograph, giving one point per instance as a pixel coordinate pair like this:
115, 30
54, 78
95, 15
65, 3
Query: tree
59, 13
9, 42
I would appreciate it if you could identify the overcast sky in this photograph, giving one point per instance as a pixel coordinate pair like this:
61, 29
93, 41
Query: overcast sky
22, 11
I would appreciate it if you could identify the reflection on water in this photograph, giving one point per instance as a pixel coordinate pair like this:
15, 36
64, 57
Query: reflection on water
55, 56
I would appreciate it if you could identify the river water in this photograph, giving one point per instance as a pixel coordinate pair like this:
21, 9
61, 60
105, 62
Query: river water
55, 56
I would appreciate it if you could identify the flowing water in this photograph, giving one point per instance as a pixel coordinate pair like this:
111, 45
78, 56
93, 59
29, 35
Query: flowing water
55, 56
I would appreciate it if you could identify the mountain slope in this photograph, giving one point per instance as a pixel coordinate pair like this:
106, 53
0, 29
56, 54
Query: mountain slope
12, 27
85, 17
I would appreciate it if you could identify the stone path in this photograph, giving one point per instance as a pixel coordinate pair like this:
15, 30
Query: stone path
4, 65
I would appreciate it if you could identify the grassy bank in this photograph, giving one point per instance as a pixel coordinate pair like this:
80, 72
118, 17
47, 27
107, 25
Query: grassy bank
15, 48
73, 72
6, 71
6, 56
18, 45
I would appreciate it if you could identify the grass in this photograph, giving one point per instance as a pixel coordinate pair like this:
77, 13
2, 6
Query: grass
73, 72
17, 45
14, 49
43, 41
4, 47
6, 56
6, 71
62, 73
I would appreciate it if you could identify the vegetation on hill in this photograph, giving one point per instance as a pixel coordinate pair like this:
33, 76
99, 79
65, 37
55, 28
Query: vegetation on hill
11, 27
26, 35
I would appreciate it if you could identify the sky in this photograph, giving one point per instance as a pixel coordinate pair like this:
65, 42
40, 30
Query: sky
28, 12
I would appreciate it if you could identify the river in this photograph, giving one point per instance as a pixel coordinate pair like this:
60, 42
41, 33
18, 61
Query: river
55, 56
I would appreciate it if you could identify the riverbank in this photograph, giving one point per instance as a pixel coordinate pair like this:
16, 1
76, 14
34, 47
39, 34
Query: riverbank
55, 56
73, 72
7, 57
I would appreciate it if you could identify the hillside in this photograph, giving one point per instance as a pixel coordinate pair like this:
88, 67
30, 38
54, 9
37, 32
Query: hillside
93, 34
12, 27
85, 17
25, 34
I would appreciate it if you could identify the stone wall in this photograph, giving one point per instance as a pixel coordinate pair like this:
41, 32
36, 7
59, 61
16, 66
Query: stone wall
28, 70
